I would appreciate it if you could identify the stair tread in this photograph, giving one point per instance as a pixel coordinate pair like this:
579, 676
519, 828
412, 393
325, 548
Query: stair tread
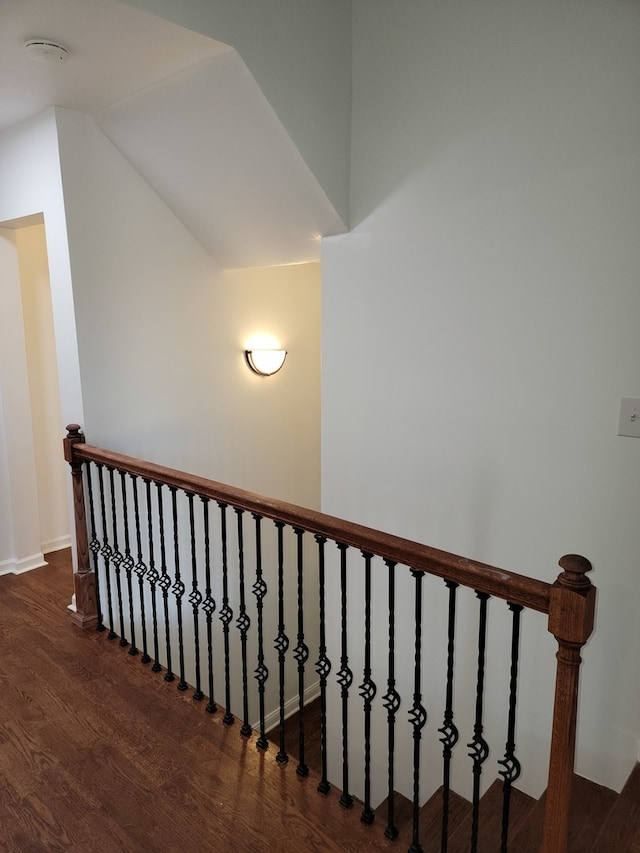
621, 829
490, 828
590, 805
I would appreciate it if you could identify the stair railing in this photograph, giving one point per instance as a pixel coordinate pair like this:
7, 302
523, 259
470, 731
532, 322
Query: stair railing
137, 524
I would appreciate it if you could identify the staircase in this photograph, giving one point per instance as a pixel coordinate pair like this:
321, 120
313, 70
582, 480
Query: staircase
601, 820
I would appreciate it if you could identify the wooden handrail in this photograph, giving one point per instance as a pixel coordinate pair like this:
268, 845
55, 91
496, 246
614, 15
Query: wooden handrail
510, 586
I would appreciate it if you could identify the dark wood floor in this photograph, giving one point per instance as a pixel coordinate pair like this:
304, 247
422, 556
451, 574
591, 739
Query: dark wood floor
98, 754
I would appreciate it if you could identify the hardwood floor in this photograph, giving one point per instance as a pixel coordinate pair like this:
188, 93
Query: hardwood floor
99, 754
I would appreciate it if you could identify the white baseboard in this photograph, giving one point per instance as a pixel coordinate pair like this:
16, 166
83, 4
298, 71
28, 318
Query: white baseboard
57, 544
271, 720
26, 564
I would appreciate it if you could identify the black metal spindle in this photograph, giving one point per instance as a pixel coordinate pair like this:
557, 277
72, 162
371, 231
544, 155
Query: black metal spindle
164, 582
449, 730
261, 672
209, 604
391, 702
417, 714
367, 692
117, 557
301, 655
510, 763
243, 623
94, 546
281, 645
140, 570
127, 562
323, 666
225, 616
478, 746
106, 552
344, 677
195, 599
178, 587
153, 577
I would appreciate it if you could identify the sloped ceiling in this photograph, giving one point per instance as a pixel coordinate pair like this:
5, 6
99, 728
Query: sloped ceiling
185, 111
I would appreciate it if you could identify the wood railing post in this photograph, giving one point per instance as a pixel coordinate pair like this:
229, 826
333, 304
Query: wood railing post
571, 615
86, 613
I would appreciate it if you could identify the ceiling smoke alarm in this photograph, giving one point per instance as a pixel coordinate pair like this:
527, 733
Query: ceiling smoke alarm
44, 50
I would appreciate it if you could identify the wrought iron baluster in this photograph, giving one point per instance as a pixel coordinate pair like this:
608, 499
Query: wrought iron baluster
164, 582
116, 557
281, 645
140, 570
417, 714
153, 577
323, 667
178, 587
209, 604
106, 551
127, 562
510, 763
478, 746
301, 655
243, 623
94, 545
226, 615
391, 703
449, 730
367, 691
344, 677
195, 600
259, 589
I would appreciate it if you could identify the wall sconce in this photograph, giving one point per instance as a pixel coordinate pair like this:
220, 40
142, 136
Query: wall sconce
265, 362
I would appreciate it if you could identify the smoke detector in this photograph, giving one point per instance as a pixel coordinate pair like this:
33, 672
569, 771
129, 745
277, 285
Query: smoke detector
45, 50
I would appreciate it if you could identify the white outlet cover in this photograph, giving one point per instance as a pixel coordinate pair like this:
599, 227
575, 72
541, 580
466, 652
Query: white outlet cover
629, 420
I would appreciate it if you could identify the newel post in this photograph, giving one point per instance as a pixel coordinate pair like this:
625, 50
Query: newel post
86, 614
571, 615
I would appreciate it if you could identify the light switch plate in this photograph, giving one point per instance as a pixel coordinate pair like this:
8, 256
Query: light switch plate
629, 421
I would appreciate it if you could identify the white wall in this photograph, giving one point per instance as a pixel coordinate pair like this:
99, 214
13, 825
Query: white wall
162, 331
299, 52
31, 189
481, 322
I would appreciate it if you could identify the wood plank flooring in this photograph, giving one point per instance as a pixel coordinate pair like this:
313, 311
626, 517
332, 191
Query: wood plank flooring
99, 754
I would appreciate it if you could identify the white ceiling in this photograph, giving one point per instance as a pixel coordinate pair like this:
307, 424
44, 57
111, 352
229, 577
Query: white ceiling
185, 111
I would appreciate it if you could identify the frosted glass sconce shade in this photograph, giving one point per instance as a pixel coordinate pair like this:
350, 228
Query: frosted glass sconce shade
265, 362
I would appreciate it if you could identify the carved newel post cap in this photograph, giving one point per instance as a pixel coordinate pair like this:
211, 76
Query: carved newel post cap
73, 430
575, 571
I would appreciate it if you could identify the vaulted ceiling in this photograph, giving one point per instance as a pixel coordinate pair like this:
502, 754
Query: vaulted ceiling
187, 114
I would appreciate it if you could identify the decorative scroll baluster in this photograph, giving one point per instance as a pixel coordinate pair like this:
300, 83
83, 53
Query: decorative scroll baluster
301, 655
367, 691
323, 667
153, 577
209, 604
106, 552
417, 714
261, 672
94, 547
140, 569
178, 588
195, 599
478, 746
243, 622
344, 677
448, 731
391, 703
164, 582
117, 557
226, 615
510, 763
127, 562
281, 645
